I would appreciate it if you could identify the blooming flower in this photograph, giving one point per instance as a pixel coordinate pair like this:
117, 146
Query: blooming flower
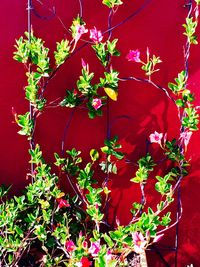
139, 242
134, 55
94, 248
185, 137
70, 246
62, 203
95, 35
156, 137
96, 103
84, 262
80, 30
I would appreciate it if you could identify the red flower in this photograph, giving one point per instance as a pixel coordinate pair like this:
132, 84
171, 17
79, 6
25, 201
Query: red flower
62, 203
84, 262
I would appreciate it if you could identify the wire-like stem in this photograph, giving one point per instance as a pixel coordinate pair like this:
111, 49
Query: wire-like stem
32, 117
66, 131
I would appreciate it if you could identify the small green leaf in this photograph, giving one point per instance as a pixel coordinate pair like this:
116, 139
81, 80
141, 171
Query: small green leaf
94, 154
180, 103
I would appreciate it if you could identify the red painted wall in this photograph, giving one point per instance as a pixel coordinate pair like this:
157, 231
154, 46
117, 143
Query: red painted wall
157, 26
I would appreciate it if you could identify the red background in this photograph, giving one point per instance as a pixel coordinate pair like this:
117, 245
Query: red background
139, 111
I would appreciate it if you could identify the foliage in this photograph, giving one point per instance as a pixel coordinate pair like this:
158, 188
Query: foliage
72, 229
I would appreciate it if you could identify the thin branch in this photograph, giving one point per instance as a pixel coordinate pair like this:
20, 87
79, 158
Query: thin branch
66, 130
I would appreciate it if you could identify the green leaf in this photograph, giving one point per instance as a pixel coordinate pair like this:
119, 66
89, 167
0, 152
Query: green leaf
19, 231
63, 51
112, 3
180, 103
105, 149
136, 179
94, 154
166, 219
108, 240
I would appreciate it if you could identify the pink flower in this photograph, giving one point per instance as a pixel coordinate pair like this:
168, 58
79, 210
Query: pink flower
70, 246
80, 30
196, 13
85, 66
117, 221
62, 203
95, 35
84, 262
139, 242
156, 137
96, 103
94, 248
134, 55
157, 238
109, 256
185, 137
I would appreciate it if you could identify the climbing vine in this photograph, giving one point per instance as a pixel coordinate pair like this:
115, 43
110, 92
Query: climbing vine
71, 229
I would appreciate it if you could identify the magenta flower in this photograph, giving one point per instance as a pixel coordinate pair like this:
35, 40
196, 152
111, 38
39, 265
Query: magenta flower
84, 65
70, 246
96, 103
156, 137
185, 138
139, 242
94, 248
95, 35
62, 203
134, 55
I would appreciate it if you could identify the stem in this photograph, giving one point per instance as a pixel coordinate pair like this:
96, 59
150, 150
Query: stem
74, 189
108, 69
32, 117
65, 131
143, 198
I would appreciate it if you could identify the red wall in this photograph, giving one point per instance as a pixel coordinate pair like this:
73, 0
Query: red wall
157, 26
